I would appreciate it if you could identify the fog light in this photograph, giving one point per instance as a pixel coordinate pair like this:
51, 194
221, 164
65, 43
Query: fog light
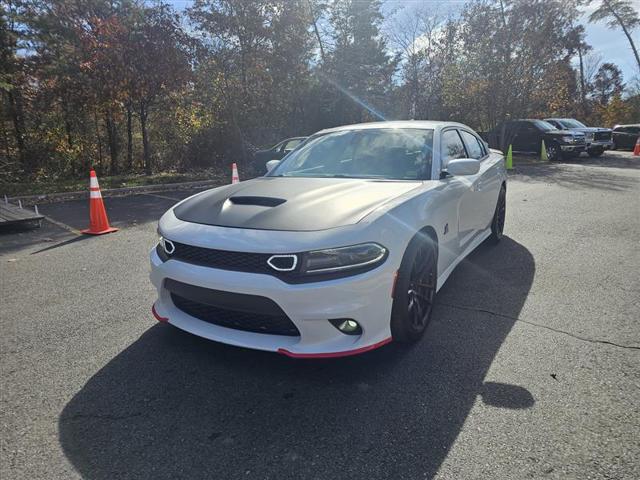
348, 326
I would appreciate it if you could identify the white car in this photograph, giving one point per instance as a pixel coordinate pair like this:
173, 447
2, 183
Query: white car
339, 248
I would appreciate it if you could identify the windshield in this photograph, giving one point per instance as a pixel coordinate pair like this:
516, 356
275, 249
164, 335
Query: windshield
388, 153
544, 125
571, 123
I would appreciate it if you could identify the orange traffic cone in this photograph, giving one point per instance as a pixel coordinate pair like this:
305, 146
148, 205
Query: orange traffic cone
98, 221
636, 149
234, 174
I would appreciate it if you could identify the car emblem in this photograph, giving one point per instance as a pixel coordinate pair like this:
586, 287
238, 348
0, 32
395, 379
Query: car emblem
283, 263
168, 246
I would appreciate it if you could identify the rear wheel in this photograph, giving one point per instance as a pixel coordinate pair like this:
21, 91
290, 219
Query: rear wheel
415, 289
497, 224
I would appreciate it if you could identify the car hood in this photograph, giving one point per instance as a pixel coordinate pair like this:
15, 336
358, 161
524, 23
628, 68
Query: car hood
286, 203
565, 132
591, 129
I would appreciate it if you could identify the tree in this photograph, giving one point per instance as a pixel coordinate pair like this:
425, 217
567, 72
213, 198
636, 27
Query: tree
160, 64
607, 83
619, 13
359, 71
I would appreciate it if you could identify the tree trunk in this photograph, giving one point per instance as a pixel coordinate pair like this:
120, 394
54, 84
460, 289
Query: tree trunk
112, 139
95, 118
146, 154
129, 139
15, 107
583, 88
628, 34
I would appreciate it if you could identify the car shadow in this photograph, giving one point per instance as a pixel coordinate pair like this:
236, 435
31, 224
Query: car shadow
571, 177
172, 405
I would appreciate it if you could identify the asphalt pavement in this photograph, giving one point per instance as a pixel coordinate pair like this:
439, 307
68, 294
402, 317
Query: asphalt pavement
530, 368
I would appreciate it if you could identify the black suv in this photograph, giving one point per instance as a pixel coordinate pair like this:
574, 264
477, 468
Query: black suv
526, 136
598, 139
626, 136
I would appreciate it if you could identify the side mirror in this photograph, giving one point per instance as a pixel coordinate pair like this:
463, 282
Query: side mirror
463, 166
271, 164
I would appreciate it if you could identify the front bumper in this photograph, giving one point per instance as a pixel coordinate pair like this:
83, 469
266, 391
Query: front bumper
605, 145
573, 148
365, 298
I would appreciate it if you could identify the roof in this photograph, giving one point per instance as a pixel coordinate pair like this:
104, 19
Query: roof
426, 124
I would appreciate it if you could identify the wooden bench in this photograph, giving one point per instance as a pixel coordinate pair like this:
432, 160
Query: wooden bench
11, 214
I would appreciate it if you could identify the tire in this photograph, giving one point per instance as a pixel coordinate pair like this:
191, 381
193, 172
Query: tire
497, 223
596, 152
554, 153
415, 289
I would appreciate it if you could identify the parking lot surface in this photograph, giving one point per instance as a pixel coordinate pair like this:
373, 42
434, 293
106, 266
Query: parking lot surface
530, 368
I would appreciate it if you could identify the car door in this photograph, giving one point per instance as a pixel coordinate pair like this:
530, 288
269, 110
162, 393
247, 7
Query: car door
487, 185
631, 136
469, 204
529, 137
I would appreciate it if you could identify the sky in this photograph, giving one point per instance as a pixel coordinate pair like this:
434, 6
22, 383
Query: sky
611, 45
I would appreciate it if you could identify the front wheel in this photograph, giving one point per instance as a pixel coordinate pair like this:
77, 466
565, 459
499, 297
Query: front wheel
497, 224
553, 152
595, 152
415, 290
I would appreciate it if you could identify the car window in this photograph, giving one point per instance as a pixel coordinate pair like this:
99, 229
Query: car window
635, 130
571, 123
542, 125
451, 147
389, 153
473, 145
291, 144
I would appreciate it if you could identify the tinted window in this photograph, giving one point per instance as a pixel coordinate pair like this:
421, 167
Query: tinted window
633, 130
452, 147
474, 148
571, 123
542, 125
391, 153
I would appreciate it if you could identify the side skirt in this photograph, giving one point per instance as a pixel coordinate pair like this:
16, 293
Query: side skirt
472, 246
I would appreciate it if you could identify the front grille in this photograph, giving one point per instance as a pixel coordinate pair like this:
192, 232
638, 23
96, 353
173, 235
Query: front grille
248, 322
222, 259
602, 136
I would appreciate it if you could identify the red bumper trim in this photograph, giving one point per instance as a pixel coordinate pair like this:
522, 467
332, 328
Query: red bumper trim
346, 353
158, 317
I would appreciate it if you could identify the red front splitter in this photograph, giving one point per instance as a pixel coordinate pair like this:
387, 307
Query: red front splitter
346, 353
158, 317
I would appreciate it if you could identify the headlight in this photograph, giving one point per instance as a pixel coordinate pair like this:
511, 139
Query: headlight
588, 136
344, 258
568, 139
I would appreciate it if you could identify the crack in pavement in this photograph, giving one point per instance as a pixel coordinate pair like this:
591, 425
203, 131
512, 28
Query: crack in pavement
546, 327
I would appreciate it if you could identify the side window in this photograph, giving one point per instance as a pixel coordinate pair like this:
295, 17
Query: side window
633, 130
451, 147
291, 144
473, 145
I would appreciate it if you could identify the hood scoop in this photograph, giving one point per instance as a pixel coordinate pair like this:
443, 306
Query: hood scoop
257, 201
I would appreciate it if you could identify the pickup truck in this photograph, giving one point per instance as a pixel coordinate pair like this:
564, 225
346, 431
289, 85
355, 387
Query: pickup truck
526, 135
598, 139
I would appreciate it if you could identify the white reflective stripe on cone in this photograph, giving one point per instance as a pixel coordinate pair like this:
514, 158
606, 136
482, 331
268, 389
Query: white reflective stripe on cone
93, 182
95, 194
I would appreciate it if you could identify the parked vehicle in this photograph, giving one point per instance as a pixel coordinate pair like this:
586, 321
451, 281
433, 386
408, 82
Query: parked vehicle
526, 136
339, 248
278, 151
598, 139
625, 136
